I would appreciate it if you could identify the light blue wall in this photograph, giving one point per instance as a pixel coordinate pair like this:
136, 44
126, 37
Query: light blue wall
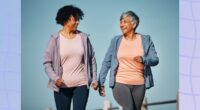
159, 18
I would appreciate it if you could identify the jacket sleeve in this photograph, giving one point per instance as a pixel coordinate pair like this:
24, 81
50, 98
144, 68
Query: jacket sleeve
151, 58
92, 60
106, 64
48, 59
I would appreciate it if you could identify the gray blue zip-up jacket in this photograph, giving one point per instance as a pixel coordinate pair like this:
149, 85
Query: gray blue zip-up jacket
110, 61
52, 63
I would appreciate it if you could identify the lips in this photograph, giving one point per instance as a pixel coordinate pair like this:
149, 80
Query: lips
75, 25
123, 29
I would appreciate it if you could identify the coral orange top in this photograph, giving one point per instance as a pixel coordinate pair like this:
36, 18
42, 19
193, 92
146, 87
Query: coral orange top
129, 71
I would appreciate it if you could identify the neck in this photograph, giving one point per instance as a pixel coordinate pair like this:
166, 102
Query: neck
130, 36
67, 33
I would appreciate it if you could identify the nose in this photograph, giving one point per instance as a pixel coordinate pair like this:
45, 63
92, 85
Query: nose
121, 24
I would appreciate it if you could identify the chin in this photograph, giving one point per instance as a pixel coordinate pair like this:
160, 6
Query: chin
124, 33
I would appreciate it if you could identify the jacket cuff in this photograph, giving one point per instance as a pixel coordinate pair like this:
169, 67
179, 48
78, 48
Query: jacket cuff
143, 59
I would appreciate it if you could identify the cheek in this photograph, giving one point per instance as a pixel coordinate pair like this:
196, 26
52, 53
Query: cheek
127, 25
74, 24
130, 26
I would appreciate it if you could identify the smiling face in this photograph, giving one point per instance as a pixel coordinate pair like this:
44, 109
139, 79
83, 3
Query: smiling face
72, 24
127, 25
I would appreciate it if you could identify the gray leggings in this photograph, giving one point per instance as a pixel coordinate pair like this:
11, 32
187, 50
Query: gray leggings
130, 97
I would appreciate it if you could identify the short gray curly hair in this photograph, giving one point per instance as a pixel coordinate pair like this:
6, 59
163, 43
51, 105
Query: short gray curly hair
132, 15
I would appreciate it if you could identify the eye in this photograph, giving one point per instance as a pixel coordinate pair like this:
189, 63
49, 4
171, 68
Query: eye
123, 21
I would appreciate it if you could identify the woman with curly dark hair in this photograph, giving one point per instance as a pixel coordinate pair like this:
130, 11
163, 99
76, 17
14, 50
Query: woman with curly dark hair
69, 61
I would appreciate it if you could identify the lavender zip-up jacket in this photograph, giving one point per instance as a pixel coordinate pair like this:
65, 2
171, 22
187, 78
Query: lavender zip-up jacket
52, 63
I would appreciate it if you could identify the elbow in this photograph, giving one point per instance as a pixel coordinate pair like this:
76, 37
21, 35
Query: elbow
155, 61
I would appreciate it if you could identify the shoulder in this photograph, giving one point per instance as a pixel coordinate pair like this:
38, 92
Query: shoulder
84, 37
116, 38
83, 34
54, 36
145, 37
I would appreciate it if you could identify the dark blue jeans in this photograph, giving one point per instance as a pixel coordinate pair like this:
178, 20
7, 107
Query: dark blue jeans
79, 95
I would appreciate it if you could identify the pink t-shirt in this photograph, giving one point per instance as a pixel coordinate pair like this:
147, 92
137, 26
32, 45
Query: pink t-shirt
72, 61
130, 71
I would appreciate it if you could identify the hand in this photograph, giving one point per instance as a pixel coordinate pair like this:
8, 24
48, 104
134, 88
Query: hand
59, 82
102, 91
94, 85
138, 59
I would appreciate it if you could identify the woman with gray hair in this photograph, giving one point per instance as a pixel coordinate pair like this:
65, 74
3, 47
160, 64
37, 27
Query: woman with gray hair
129, 58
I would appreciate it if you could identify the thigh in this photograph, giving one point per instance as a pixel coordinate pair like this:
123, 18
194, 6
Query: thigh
122, 95
63, 99
80, 97
138, 93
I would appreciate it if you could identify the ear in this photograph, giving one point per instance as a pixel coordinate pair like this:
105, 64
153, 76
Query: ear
134, 25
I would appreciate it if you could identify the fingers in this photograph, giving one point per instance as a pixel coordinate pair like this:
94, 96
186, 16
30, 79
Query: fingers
59, 82
102, 94
94, 86
138, 59
102, 91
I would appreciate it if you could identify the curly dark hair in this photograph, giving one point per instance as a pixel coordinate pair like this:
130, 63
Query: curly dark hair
65, 12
